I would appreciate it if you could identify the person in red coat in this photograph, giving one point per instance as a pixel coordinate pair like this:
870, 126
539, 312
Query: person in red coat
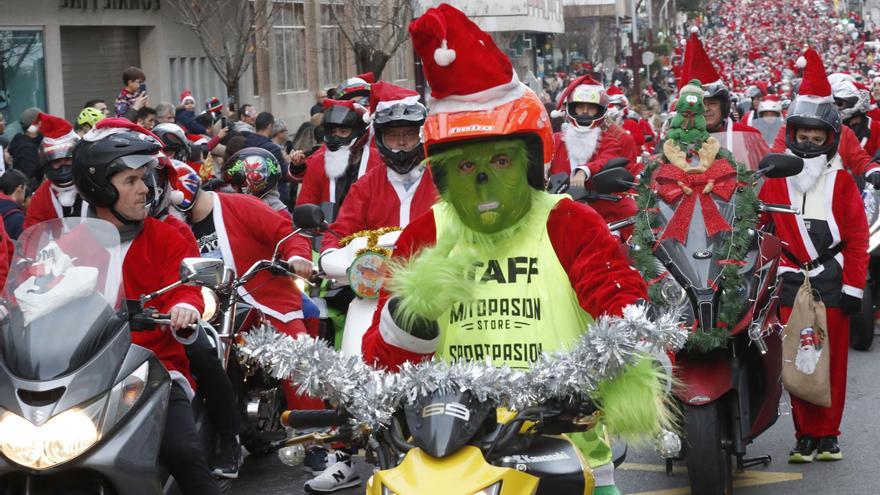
345, 156
828, 240
854, 101
393, 195
852, 155
57, 196
587, 142
109, 170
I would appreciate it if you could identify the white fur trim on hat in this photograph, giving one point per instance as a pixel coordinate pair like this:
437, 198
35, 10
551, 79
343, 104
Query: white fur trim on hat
557, 113
695, 29
481, 100
176, 197
801, 62
409, 100
444, 56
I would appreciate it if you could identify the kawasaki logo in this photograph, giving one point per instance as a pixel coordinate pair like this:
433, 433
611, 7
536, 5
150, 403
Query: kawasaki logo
471, 128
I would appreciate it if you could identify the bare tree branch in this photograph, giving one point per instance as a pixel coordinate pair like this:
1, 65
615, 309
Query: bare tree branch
374, 29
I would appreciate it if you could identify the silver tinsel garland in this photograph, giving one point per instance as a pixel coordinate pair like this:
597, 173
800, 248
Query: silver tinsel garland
371, 396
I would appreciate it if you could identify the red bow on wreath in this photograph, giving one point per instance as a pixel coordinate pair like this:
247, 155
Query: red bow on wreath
674, 184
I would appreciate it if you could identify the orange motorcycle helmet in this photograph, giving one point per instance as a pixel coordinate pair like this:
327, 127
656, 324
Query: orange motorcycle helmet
523, 118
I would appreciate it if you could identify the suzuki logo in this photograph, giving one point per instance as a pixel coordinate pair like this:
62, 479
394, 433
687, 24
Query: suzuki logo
453, 409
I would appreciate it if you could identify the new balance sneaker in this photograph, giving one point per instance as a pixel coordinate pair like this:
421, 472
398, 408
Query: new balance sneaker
336, 477
803, 452
828, 449
227, 458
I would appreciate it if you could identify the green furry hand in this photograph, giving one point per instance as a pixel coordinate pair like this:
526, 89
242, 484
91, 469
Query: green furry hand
420, 328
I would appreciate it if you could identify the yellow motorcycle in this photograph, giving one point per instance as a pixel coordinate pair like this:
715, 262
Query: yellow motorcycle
445, 444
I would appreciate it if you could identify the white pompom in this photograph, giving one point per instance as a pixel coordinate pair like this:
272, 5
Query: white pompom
443, 56
801, 62
367, 118
176, 197
557, 114
695, 29
33, 129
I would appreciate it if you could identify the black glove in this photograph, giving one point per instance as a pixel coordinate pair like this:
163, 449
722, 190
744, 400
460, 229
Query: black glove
850, 305
419, 327
874, 179
618, 162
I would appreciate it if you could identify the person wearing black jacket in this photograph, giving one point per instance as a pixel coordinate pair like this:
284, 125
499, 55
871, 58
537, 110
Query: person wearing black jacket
24, 148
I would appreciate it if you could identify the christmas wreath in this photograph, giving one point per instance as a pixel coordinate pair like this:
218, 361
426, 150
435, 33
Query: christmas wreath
671, 178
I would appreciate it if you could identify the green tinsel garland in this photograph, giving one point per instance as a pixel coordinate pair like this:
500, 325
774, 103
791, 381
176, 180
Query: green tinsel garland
735, 247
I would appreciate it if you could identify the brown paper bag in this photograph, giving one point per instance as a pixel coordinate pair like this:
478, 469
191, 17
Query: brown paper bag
805, 350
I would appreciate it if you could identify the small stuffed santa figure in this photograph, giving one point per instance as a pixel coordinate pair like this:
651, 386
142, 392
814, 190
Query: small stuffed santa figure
588, 140
56, 197
828, 241
393, 195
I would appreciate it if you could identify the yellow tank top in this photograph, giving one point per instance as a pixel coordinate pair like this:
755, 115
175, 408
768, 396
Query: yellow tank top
525, 305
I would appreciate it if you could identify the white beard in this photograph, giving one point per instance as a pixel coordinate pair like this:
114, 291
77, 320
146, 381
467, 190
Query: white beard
813, 168
335, 162
580, 143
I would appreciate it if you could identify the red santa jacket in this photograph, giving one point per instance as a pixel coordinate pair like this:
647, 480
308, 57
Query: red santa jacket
855, 159
316, 185
634, 129
152, 262
376, 201
611, 145
650, 135
597, 271
871, 142
45, 206
247, 231
846, 222
628, 145
187, 234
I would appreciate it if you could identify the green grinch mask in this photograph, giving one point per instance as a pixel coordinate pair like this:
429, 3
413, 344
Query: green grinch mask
486, 183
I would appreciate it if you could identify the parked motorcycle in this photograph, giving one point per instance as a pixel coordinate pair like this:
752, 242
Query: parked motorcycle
82, 409
729, 395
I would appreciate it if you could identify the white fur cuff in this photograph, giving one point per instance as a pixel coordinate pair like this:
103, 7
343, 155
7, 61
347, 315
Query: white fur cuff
396, 336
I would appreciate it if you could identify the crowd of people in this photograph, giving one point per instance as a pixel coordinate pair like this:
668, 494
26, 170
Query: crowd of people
188, 179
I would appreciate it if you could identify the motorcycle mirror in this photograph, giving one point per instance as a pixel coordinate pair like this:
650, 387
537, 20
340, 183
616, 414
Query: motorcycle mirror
309, 217
205, 272
779, 165
612, 180
558, 183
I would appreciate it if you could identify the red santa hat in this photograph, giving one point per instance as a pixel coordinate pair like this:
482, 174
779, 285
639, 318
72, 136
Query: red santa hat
464, 68
55, 130
385, 95
367, 77
585, 80
697, 64
770, 103
185, 96
814, 85
115, 125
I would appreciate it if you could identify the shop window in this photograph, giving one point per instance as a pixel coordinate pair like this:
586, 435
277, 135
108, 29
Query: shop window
22, 74
289, 30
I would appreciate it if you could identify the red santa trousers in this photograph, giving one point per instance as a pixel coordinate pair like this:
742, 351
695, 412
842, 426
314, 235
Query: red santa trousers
294, 400
811, 420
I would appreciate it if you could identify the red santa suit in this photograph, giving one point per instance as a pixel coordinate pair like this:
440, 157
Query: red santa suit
598, 273
854, 158
871, 142
152, 261
634, 129
833, 219
609, 146
650, 135
379, 199
317, 187
45, 204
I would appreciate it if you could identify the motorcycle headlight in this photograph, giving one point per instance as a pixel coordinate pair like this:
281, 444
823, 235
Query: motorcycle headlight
671, 292
367, 274
72, 432
493, 489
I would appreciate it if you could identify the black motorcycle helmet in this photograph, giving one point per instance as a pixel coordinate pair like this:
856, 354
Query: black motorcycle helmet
400, 115
719, 91
342, 116
96, 162
174, 141
812, 113
53, 151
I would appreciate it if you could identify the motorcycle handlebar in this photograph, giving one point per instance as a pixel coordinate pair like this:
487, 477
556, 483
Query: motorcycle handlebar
774, 208
318, 418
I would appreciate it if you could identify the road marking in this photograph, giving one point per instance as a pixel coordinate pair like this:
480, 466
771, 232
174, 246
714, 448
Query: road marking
748, 478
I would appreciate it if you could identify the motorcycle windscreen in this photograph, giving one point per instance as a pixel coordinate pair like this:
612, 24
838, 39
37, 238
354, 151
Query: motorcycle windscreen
747, 148
62, 294
769, 127
441, 424
697, 261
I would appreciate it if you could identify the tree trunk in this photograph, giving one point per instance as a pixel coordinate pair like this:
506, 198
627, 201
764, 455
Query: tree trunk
369, 59
232, 93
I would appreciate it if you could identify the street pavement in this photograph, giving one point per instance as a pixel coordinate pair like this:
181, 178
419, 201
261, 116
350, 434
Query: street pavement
643, 472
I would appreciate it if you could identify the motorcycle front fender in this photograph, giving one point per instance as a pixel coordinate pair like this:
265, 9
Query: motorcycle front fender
703, 379
465, 471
